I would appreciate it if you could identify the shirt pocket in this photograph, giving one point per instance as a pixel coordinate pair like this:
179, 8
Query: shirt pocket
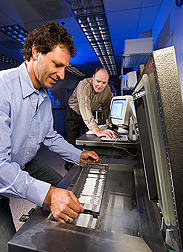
42, 131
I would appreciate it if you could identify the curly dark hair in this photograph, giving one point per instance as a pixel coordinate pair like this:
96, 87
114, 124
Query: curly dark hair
46, 37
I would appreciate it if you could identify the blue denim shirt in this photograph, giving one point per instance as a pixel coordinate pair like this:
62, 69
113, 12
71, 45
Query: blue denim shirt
26, 122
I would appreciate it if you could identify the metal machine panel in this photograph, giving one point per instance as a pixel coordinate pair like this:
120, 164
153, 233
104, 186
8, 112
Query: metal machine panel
161, 89
115, 229
54, 236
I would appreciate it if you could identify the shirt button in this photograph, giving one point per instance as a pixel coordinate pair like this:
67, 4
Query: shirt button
74, 160
27, 153
30, 136
34, 101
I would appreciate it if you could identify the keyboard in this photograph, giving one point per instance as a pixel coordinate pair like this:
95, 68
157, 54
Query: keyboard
121, 138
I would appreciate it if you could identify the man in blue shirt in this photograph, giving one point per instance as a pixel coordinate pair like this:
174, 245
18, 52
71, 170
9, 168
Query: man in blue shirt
26, 122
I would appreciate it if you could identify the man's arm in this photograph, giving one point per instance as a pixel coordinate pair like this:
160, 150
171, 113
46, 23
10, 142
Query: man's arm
63, 203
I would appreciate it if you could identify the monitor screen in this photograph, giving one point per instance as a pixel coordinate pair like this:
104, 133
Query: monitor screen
117, 109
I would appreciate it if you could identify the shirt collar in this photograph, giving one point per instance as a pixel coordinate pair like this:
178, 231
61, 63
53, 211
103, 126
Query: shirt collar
26, 83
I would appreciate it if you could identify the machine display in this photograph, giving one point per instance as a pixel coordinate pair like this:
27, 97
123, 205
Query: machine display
117, 109
120, 112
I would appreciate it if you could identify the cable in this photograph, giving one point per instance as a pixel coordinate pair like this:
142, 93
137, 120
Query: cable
133, 155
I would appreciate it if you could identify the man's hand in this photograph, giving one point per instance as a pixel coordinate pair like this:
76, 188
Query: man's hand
89, 156
107, 133
63, 204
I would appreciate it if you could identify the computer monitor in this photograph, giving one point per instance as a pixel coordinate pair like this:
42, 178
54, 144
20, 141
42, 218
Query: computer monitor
120, 113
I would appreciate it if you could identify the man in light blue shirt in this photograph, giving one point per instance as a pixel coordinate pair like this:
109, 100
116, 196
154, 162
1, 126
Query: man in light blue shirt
26, 122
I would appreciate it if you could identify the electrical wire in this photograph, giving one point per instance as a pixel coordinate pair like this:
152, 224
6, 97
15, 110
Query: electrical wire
119, 147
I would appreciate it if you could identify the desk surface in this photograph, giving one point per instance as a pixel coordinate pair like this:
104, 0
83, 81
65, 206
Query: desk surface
93, 140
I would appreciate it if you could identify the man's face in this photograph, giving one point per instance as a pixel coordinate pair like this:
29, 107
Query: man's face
48, 68
100, 80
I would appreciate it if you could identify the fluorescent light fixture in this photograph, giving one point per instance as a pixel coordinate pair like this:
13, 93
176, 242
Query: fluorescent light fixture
15, 31
90, 15
11, 61
74, 70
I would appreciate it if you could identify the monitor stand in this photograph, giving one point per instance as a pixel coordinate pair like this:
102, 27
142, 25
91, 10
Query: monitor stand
133, 136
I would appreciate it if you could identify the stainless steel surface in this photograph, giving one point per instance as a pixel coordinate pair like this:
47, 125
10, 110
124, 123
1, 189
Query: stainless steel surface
148, 214
118, 211
116, 228
110, 194
54, 236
